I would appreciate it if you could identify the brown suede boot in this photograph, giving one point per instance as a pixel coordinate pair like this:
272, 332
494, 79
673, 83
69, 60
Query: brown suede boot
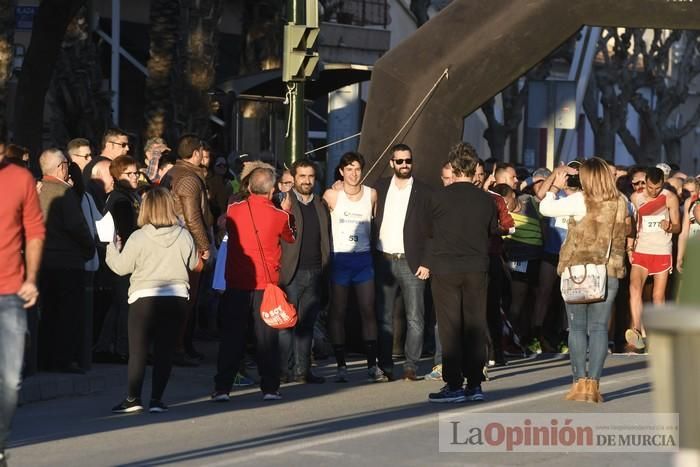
577, 391
593, 391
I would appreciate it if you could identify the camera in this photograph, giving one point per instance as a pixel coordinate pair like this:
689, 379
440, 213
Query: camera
573, 181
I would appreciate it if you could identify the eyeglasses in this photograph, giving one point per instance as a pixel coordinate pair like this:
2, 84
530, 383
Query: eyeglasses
82, 156
123, 145
408, 161
640, 182
131, 174
64, 162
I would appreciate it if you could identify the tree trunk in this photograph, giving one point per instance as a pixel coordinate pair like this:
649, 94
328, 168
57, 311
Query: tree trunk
160, 91
673, 151
262, 35
604, 143
78, 105
7, 32
201, 45
50, 23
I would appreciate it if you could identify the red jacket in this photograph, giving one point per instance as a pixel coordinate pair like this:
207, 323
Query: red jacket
505, 223
244, 266
20, 221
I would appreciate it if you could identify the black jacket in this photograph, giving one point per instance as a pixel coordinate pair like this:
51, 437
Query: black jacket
417, 228
290, 251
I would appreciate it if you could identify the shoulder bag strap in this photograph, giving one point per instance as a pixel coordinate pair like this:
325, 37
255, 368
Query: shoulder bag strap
612, 231
260, 248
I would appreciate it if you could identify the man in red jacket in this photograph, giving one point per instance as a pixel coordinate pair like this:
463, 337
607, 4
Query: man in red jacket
20, 222
252, 224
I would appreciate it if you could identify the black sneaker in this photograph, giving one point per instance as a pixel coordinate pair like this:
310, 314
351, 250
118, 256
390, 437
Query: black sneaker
157, 406
447, 395
128, 406
474, 395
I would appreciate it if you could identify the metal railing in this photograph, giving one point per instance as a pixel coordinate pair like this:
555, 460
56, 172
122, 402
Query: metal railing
357, 12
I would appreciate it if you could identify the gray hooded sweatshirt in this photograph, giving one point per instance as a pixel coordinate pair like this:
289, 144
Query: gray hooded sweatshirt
156, 258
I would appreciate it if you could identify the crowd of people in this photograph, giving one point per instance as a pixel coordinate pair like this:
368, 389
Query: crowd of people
480, 258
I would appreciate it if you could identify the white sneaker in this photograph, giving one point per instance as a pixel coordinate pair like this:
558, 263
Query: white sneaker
272, 396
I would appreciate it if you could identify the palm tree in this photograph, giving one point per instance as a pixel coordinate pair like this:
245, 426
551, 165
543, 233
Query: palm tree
164, 34
7, 32
199, 51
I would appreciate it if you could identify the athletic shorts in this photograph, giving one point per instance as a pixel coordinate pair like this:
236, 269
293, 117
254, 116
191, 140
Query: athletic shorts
352, 268
654, 264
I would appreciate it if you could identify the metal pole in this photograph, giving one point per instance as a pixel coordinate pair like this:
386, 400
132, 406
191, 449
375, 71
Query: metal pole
116, 38
551, 105
295, 138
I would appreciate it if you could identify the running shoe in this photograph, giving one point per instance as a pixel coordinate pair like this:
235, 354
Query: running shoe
342, 375
241, 381
376, 375
128, 406
563, 348
474, 394
157, 406
220, 396
535, 346
447, 395
272, 396
435, 375
634, 338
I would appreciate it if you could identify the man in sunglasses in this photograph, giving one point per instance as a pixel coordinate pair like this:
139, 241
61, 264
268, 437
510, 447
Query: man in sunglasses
402, 233
115, 143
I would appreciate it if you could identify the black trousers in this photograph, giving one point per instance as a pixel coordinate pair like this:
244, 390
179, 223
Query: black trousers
460, 304
159, 319
493, 303
62, 309
240, 308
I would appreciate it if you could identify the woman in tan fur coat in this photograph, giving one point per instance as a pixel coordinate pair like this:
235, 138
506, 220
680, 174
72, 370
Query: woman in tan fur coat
597, 219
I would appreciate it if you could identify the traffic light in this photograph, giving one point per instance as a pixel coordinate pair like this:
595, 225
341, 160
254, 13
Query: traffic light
300, 59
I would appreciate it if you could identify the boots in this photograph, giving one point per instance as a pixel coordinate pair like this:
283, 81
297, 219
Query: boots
593, 391
585, 390
577, 391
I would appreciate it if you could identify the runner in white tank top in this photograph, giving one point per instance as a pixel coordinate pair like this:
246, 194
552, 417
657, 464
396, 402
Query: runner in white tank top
351, 222
352, 207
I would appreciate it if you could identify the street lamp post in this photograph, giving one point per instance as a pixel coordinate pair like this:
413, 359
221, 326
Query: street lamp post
298, 64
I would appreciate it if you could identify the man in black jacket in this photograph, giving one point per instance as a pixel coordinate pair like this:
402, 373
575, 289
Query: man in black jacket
402, 231
303, 270
463, 218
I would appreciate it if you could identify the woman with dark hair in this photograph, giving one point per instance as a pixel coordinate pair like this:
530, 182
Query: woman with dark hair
123, 204
597, 229
157, 258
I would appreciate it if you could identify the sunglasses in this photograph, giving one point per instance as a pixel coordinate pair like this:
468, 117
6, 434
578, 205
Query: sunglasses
124, 145
408, 161
640, 182
86, 156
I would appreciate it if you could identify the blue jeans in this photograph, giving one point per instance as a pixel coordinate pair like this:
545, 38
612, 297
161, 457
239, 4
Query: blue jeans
13, 327
304, 292
588, 330
392, 275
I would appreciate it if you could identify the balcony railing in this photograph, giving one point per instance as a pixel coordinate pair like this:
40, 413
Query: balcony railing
357, 12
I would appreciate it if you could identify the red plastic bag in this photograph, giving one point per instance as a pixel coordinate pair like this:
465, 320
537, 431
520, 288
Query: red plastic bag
275, 310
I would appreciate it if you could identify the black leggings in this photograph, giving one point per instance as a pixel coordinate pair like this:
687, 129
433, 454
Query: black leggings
161, 318
339, 306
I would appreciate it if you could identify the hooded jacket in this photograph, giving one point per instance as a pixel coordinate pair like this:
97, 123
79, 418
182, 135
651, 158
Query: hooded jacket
155, 257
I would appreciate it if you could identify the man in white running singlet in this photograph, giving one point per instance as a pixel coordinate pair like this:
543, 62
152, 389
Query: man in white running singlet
352, 208
658, 218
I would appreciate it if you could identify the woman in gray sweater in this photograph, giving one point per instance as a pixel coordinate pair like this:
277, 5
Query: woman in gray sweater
158, 256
